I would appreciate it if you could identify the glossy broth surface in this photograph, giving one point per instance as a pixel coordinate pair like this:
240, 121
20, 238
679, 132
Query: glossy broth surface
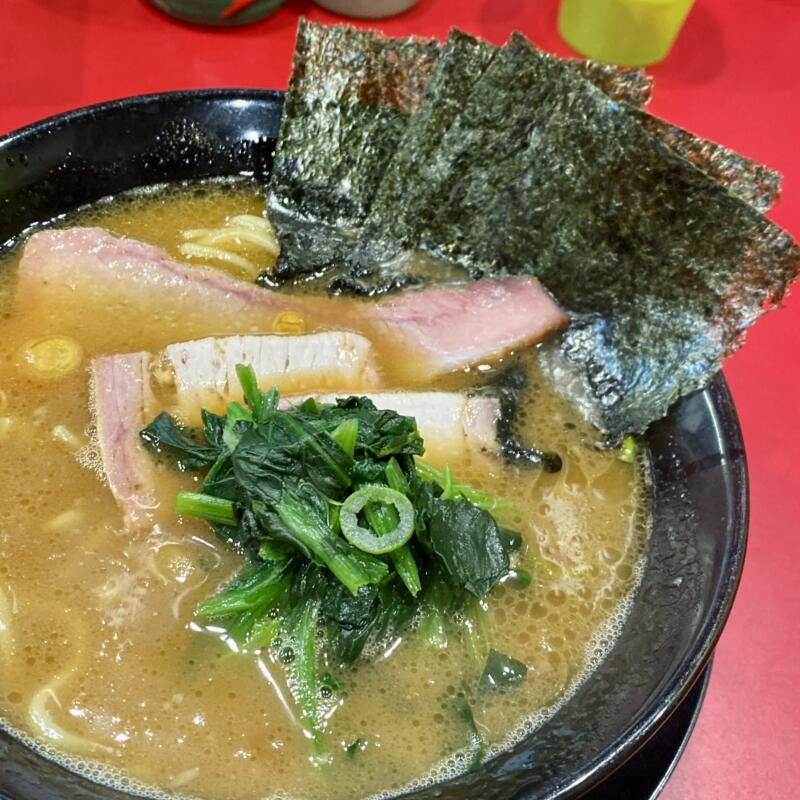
102, 662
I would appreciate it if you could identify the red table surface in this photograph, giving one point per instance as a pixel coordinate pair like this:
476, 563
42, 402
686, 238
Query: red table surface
733, 76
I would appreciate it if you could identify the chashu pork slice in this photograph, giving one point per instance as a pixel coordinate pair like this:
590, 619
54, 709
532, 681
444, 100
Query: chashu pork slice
449, 328
203, 372
121, 395
452, 424
114, 287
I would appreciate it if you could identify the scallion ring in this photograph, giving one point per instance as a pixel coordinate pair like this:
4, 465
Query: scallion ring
365, 539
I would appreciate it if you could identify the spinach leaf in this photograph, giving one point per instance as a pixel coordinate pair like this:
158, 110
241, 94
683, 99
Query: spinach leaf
356, 746
512, 540
213, 427
304, 515
220, 480
163, 436
284, 450
253, 589
381, 433
467, 540
351, 619
397, 610
477, 744
238, 420
275, 486
305, 669
440, 600
502, 671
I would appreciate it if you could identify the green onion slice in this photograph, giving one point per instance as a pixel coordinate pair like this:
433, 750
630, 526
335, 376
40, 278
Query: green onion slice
363, 538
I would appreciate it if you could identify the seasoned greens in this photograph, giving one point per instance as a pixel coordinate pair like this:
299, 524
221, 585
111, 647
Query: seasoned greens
344, 528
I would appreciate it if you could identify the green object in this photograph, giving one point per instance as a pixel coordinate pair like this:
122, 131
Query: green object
467, 541
305, 686
303, 515
346, 436
212, 509
477, 744
218, 12
629, 32
382, 541
256, 588
628, 450
502, 671
406, 567
290, 489
444, 479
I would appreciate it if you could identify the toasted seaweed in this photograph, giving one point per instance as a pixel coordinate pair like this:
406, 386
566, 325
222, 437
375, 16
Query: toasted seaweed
542, 173
622, 382
349, 98
752, 182
373, 264
510, 160
461, 63
631, 86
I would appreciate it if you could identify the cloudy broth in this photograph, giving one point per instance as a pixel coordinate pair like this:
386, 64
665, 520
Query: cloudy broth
103, 664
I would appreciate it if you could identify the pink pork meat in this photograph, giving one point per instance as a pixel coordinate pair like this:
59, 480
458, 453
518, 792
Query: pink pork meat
121, 396
452, 424
111, 280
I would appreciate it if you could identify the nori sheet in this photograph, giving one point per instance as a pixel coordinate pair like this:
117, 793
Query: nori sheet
515, 161
754, 183
461, 63
349, 98
376, 265
631, 86
366, 84
542, 173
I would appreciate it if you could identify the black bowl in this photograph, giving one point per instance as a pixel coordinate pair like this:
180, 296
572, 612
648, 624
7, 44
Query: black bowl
698, 463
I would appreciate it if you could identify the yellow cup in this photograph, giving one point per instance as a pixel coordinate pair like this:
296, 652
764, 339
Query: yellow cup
632, 33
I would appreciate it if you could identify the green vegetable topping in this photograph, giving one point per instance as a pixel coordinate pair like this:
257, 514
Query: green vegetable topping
350, 538
355, 747
467, 540
502, 671
382, 541
627, 452
451, 488
477, 744
206, 506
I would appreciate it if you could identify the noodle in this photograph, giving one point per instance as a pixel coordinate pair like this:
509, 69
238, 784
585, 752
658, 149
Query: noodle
191, 250
42, 720
232, 243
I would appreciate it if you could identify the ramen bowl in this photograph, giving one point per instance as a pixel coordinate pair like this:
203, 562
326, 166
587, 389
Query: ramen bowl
698, 475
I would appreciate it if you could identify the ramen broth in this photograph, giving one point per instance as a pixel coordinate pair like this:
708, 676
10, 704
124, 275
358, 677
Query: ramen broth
103, 664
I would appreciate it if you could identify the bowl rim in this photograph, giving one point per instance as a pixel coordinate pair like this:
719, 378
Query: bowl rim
62, 118
733, 460
652, 716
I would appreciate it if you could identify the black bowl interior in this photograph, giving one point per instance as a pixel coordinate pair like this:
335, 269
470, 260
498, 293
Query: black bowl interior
698, 463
